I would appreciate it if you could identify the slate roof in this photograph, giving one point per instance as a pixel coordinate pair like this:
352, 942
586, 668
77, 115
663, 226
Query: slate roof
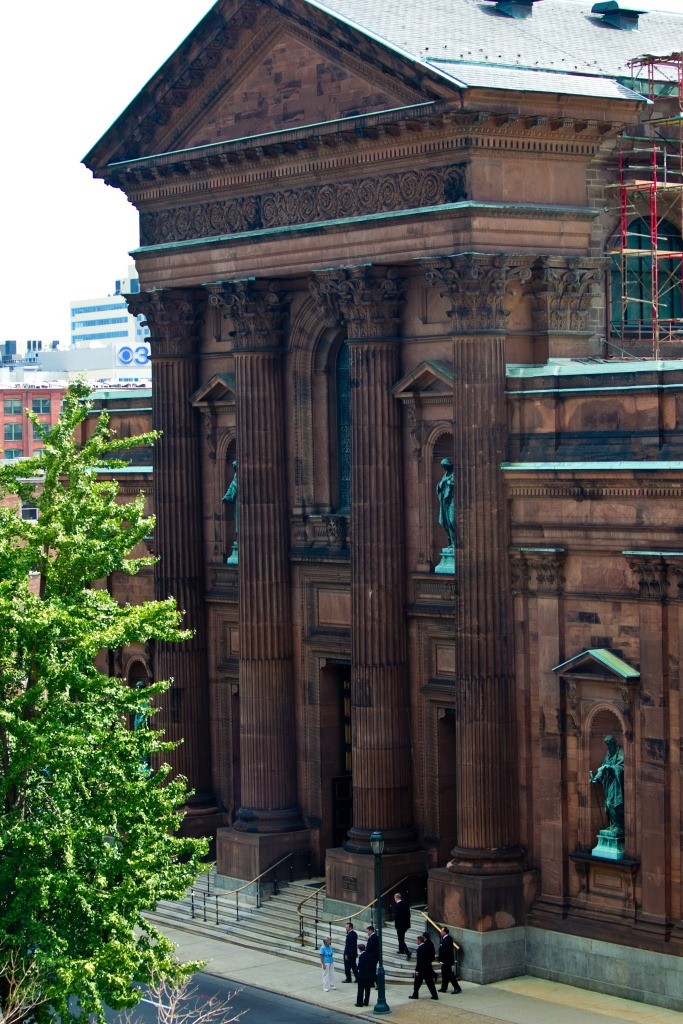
560, 35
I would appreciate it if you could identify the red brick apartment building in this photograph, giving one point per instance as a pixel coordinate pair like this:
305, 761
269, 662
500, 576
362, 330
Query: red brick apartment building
19, 436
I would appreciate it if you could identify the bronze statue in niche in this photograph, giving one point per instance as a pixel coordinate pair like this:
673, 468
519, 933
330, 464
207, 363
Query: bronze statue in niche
610, 775
445, 492
230, 498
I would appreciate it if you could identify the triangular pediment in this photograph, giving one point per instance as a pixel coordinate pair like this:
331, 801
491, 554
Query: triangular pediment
218, 390
291, 83
432, 379
250, 69
600, 663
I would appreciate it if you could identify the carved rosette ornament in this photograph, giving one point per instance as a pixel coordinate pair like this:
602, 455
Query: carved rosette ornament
366, 299
475, 285
561, 291
257, 311
173, 316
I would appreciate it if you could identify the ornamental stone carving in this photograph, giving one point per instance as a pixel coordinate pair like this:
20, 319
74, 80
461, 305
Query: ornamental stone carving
561, 290
519, 573
257, 310
366, 299
475, 286
314, 203
547, 564
650, 572
173, 316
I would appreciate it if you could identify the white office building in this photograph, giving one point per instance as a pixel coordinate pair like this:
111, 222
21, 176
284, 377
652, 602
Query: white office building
107, 319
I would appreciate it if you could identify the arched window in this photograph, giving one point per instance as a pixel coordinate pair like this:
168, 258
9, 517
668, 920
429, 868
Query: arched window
632, 299
343, 408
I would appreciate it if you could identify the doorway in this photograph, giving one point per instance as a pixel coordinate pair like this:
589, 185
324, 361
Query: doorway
336, 757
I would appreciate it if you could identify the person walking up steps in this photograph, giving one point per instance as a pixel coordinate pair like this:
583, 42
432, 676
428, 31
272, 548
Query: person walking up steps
401, 922
327, 961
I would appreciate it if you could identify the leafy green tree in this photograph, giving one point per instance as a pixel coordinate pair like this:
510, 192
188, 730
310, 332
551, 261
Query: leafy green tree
87, 829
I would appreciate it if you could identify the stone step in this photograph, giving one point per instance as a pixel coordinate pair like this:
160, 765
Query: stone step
274, 926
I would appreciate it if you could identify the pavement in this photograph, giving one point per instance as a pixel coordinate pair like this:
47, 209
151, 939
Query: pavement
518, 1001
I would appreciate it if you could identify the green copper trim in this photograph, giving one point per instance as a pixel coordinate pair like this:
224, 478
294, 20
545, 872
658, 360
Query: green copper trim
576, 367
606, 658
554, 467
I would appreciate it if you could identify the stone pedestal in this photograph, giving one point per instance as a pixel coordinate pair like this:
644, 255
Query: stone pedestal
350, 877
609, 846
447, 563
233, 558
241, 856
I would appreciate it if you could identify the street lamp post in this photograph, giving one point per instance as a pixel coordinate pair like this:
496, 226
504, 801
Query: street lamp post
377, 846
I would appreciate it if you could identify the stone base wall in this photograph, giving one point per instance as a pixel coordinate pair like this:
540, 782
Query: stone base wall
607, 967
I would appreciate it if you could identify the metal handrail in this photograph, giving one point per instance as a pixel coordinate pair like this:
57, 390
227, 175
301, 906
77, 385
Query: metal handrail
202, 895
437, 926
344, 917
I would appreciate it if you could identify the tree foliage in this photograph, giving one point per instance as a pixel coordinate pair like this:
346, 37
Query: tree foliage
87, 830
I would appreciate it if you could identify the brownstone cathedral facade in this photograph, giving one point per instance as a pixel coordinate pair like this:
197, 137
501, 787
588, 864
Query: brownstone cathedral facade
381, 243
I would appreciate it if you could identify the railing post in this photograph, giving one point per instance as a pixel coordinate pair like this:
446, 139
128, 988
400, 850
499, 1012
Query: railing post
316, 931
205, 906
216, 898
192, 903
301, 930
237, 905
275, 888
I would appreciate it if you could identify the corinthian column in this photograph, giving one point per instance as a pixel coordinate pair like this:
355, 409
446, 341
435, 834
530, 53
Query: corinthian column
266, 677
173, 317
366, 300
486, 787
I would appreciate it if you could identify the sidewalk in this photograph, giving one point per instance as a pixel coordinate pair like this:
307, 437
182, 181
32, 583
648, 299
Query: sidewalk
519, 1001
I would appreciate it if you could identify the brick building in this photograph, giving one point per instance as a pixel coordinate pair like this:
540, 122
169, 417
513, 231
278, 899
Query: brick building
375, 237
20, 438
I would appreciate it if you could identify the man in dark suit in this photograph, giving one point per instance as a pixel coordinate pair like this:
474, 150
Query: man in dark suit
401, 922
423, 969
350, 953
372, 950
447, 960
364, 975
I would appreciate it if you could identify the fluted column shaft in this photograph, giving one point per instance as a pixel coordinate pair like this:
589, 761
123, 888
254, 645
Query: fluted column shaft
173, 317
486, 790
267, 705
367, 301
486, 786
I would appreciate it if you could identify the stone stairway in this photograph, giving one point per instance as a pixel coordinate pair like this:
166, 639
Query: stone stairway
274, 927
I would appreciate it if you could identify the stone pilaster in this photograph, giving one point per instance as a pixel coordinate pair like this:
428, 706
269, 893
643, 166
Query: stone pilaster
485, 888
367, 300
653, 837
173, 317
269, 823
561, 290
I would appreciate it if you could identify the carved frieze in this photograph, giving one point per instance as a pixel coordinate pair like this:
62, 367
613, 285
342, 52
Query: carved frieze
475, 286
519, 573
366, 299
561, 290
405, 190
650, 573
173, 316
256, 310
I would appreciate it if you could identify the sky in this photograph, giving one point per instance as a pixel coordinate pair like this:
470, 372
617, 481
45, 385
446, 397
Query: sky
67, 70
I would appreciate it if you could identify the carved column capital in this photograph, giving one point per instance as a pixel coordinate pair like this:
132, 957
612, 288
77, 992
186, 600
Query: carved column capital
547, 563
366, 299
650, 573
257, 310
561, 290
173, 316
475, 285
519, 572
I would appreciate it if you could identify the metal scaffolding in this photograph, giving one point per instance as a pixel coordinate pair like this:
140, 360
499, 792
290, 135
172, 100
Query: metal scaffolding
647, 283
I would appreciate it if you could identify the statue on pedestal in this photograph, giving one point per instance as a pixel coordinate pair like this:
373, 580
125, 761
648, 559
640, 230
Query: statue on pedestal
445, 491
610, 775
230, 497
